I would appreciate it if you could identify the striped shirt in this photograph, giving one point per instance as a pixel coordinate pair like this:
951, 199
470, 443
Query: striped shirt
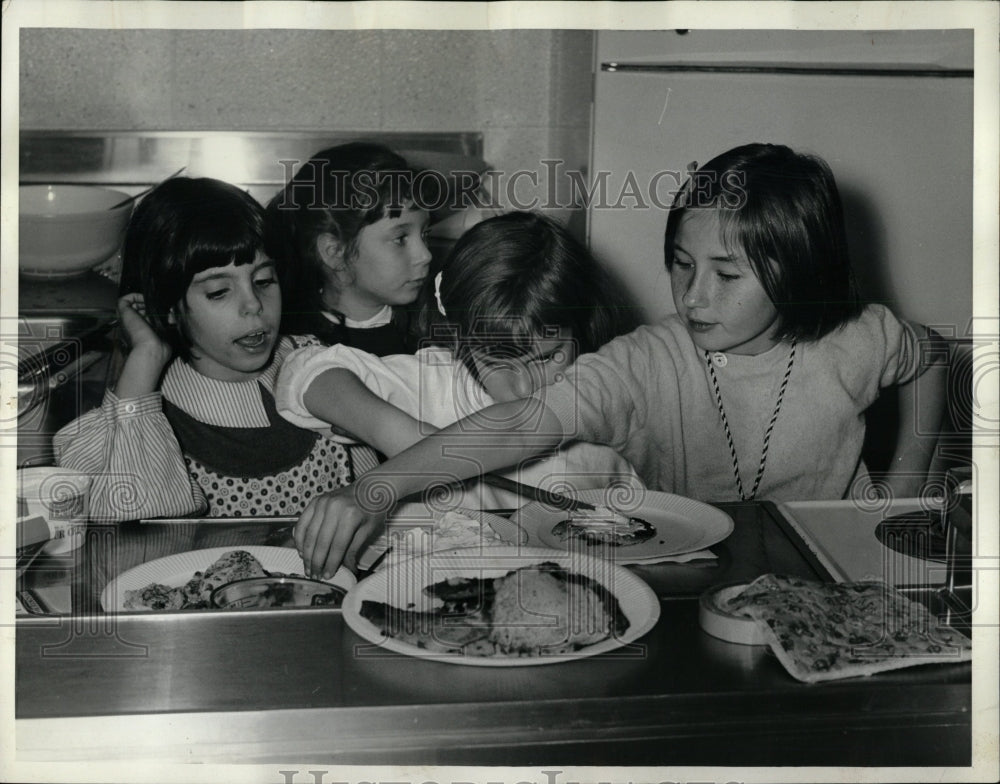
201, 446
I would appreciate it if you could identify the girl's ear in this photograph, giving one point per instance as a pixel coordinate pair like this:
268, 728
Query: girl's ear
331, 251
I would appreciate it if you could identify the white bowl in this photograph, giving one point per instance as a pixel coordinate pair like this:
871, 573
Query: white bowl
65, 230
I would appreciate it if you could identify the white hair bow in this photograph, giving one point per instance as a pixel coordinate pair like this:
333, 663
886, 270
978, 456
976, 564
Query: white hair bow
437, 293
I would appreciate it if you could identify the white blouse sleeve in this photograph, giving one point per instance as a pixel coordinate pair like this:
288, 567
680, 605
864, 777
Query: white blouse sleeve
396, 379
298, 371
136, 465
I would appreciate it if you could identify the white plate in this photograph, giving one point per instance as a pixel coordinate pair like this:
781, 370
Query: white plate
419, 517
683, 525
401, 585
176, 570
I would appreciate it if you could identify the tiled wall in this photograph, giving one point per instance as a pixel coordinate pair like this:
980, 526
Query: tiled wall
527, 91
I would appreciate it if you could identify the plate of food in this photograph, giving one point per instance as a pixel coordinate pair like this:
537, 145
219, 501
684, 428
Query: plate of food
416, 528
185, 581
626, 526
502, 607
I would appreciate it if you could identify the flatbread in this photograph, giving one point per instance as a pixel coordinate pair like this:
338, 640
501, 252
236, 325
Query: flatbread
826, 631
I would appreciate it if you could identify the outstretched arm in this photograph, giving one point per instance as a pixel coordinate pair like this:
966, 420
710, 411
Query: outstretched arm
338, 524
339, 397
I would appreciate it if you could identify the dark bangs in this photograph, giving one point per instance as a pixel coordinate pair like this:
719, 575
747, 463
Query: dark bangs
224, 234
389, 199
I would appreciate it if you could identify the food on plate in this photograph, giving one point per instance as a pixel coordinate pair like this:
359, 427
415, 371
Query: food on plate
196, 592
454, 530
451, 530
437, 631
539, 610
231, 566
530, 615
155, 597
822, 631
604, 526
410, 534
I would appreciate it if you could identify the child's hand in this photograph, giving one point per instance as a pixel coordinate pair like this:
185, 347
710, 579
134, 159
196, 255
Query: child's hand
140, 335
148, 354
332, 527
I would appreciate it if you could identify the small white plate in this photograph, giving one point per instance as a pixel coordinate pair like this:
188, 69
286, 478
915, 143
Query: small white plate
175, 570
683, 525
418, 517
401, 585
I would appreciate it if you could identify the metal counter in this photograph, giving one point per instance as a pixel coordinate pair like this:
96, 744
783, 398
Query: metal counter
273, 685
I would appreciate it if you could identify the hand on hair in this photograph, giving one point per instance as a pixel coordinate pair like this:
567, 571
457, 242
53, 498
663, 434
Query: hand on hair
138, 332
148, 353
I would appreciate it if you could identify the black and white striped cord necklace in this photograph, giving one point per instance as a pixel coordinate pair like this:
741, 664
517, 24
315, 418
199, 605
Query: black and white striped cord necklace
767, 434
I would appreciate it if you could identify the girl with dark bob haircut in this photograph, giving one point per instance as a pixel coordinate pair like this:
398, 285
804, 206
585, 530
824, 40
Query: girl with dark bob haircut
782, 210
189, 426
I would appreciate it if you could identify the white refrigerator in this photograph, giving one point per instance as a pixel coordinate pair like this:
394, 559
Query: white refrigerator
890, 111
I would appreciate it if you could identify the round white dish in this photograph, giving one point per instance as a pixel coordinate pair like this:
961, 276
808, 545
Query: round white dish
724, 625
682, 524
175, 570
402, 583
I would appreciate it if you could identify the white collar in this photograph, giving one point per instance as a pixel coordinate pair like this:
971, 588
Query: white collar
223, 403
380, 319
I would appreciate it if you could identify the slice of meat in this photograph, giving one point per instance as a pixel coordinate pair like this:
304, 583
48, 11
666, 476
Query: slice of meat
619, 620
462, 595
